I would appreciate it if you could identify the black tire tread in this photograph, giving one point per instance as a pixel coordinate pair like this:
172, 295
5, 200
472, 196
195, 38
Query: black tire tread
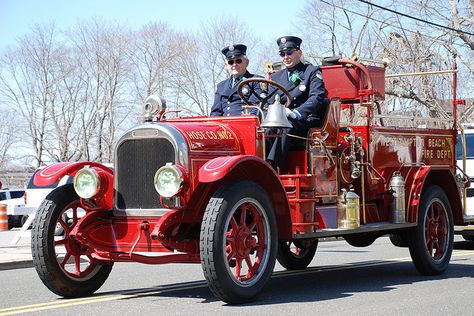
290, 262
222, 287
468, 237
422, 261
399, 240
207, 239
45, 262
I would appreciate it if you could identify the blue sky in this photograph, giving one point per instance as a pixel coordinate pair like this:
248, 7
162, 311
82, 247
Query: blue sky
268, 19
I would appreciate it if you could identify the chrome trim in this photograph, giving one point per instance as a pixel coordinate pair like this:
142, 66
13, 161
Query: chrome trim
141, 212
152, 130
96, 177
412, 118
146, 131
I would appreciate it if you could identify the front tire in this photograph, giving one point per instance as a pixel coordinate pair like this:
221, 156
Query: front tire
64, 265
296, 254
431, 243
238, 241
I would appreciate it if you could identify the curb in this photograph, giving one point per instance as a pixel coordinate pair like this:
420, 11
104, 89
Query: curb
11, 265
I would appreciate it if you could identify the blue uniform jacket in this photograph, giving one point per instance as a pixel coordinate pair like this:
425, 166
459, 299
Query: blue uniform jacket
307, 94
228, 102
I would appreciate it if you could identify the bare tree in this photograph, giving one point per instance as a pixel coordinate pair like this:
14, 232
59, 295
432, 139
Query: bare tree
201, 66
9, 137
342, 27
27, 83
152, 53
338, 28
102, 52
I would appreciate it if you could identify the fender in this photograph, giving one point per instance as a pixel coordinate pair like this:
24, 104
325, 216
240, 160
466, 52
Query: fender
235, 168
53, 173
441, 176
414, 192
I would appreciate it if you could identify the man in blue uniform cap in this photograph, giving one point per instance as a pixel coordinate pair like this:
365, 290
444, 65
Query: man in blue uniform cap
227, 101
306, 88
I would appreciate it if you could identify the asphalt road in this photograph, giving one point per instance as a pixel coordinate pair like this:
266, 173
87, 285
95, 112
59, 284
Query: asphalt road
342, 280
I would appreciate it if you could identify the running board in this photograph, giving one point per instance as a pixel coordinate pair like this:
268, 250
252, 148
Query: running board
369, 228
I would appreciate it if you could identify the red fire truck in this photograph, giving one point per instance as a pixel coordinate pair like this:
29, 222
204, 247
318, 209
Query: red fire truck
198, 190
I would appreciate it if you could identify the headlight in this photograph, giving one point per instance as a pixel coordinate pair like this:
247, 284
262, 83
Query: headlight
168, 180
87, 183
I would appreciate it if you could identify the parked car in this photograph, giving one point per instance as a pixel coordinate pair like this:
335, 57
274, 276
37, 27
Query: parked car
13, 198
469, 140
35, 194
468, 168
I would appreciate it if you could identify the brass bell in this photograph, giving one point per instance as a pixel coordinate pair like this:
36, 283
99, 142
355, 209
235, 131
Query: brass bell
276, 116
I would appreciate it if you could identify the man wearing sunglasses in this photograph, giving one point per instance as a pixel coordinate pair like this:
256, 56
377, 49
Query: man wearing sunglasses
227, 101
306, 88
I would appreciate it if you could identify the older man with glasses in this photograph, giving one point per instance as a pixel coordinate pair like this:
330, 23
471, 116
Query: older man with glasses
227, 101
306, 88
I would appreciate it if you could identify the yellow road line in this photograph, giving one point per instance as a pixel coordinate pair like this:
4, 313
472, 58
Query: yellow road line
198, 284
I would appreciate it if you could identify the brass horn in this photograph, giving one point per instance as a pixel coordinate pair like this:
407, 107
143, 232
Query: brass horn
276, 116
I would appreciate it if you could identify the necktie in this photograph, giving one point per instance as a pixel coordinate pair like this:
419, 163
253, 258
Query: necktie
234, 82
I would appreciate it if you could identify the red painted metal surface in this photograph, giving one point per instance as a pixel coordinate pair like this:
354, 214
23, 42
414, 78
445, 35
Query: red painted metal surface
53, 173
344, 82
303, 193
246, 242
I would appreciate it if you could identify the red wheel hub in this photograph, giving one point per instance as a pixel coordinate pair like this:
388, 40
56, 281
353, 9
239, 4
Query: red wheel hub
69, 251
245, 242
436, 231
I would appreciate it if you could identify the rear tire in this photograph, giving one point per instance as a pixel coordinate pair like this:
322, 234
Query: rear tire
238, 241
431, 243
53, 256
360, 240
399, 240
468, 237
296, 254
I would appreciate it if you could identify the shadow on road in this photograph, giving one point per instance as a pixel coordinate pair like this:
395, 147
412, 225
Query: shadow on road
318, 283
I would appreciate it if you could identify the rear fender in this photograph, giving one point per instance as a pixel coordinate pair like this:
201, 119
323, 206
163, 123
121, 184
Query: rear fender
441, 177
445, 179
219, 171
414, 192
55, 172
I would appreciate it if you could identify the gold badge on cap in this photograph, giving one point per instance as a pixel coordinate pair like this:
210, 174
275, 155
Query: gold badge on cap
283, 40
231, 48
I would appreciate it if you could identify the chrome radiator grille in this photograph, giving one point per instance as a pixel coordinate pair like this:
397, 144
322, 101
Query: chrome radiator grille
137, 162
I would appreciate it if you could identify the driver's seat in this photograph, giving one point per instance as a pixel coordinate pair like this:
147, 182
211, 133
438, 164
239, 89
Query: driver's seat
329, 125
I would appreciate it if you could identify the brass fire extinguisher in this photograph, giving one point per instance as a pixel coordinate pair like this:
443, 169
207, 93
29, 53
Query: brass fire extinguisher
348, 210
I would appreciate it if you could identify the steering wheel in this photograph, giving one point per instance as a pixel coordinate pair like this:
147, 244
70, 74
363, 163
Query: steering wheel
262, 99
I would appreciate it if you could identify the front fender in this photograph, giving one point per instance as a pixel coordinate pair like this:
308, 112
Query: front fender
217, 168
55, 172
251, 168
